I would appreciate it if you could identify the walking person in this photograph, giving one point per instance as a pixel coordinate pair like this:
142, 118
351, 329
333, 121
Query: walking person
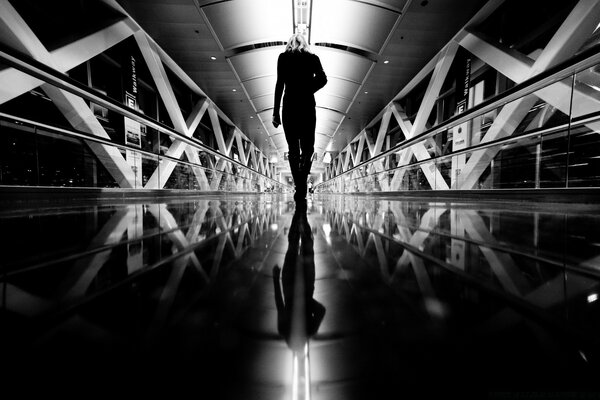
299, 71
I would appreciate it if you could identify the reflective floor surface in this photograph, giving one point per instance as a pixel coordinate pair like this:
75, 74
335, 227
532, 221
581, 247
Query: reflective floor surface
256, 297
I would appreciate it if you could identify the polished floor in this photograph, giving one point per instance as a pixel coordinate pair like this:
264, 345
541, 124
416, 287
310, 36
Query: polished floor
256, 297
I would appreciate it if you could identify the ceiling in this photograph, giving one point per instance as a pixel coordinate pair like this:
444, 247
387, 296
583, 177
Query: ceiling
369, 49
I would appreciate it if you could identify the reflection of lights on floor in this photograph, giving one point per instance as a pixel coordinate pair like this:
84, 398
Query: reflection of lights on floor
327, 231
301, 375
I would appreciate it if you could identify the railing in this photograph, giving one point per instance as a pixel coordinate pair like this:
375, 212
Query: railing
39, 154
36, 154
543, 133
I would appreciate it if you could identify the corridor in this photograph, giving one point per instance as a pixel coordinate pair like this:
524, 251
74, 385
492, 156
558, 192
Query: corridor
256, 297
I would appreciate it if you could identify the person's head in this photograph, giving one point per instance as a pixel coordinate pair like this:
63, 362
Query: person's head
297, 43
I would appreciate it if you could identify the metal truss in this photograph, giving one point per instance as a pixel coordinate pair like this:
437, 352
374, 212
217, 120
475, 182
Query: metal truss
18, 35
566, 41
235, 229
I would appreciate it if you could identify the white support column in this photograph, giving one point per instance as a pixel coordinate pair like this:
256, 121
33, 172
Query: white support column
359, 148
164, 171
346, 156
240, 145
161, 80
214, 119
67, 57
434, 177
383, 128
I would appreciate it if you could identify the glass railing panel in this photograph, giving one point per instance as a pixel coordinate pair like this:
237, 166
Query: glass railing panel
18, 154
553, 157
509, 165
182, 177
522, 144
586, 93
62, 161
584, 155
413, 177
149, 166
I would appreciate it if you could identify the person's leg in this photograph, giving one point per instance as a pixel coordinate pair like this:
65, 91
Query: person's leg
307, 143
299, 128
290, 128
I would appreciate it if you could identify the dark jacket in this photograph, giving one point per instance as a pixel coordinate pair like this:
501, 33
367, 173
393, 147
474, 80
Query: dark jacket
302, 75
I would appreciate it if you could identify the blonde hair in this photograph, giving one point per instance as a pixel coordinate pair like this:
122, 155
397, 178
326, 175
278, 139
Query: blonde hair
297, 43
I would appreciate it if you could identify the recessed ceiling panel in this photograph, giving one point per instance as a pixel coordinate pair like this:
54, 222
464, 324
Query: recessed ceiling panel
243, 22
324, 114
330, 101
280, 142
337, 87
351, 23
256, 63
265, 117
342, 64
263, 102
321, 140
260, 86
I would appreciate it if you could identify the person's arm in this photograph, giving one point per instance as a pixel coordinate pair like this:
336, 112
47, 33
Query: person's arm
278, 92
320, 78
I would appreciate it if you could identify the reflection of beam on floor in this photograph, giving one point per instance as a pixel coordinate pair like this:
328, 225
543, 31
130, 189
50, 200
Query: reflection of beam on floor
167, 222
428, 222
79, 277
592, 263
169, 291
84, 271
501, 263
549, 295
22, 302
381, 257
76, 326
357, 231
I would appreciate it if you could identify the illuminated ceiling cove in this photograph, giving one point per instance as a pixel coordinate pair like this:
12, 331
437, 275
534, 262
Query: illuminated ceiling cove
369, 50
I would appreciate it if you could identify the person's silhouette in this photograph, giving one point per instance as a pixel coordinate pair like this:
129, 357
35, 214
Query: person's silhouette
300, 73
298, 314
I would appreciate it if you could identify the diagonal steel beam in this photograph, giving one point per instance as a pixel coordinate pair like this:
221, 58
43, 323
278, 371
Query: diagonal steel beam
67, 57
176, 149
572, 34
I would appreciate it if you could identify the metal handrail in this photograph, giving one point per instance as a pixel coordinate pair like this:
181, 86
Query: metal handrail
89, 137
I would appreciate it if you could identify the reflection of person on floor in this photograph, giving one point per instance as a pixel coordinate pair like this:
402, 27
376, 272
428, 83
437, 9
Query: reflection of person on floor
298, 314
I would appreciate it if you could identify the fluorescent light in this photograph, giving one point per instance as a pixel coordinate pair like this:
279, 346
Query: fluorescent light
302, 17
